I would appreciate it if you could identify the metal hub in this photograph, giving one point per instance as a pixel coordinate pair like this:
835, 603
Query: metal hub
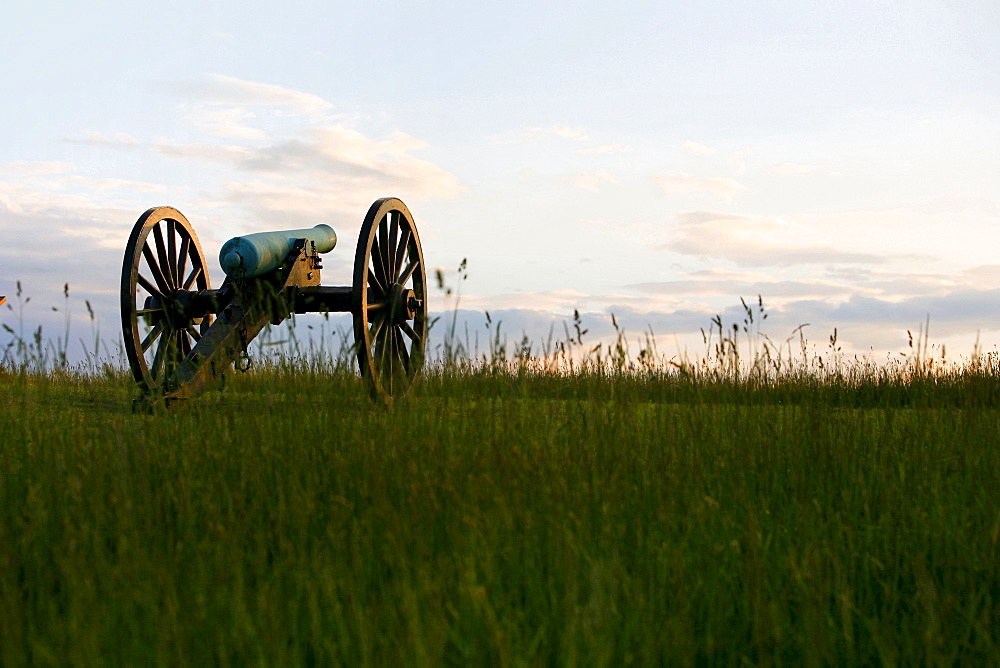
404, 304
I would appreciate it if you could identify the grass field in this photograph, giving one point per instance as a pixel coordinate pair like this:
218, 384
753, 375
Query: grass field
503, 518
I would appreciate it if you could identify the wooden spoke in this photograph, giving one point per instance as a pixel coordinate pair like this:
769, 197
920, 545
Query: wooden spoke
158, 276
195, 273
377, 324
182, 259
404, 356
383, 245
381, 345
148, 287
193, 332
408, 272
161, 254
401, 254
373, 281
172, 251
151, 337
390, 249
157, 365
379, 266
374, 307
406, 329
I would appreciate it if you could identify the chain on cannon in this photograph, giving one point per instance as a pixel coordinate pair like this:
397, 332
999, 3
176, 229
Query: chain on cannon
181, 335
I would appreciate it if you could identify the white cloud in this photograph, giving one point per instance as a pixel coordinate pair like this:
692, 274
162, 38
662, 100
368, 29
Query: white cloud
557, 131
323, 167
116, 184
755, 241
221, 90
323, 160
562, 300
682, 184
226, 122
592, 181
573, 134
698, 149
738, 161
56, 199
719, 283
23, 168
94, 138
793, 168
835, 285
63, 235
203, 152
987, 275
607, 149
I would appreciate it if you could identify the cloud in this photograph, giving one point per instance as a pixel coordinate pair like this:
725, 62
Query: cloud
315, 152
834, 285
557, 131
116, 184
755, 242
62, 237
564, 300
607, 149
324, 168
727, 284
94, 138
983, 275
793, 168
283, 205
54, 201
23, 168
682, 184
314, 168
901, 285
221, 90
592, 181
204, 152
226, 122
698, 149
336, 150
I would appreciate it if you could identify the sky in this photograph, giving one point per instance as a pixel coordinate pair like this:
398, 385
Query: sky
656, 161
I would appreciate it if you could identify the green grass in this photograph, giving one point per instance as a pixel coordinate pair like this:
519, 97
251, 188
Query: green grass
503, 519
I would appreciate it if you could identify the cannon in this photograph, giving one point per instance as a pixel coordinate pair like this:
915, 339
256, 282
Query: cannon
181, 335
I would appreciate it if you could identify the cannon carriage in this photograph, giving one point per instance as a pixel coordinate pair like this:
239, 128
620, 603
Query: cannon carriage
180, 334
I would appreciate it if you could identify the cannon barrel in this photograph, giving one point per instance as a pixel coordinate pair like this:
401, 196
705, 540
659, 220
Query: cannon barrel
256, 254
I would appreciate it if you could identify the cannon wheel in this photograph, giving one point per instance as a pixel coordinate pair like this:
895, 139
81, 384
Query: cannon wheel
163, 264
389, 300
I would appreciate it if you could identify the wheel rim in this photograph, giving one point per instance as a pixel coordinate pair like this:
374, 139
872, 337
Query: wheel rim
163, 266
390, 300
